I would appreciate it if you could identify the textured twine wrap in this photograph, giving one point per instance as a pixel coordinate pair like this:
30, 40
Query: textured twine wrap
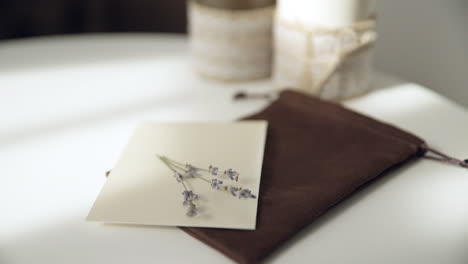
231, 44
333, 63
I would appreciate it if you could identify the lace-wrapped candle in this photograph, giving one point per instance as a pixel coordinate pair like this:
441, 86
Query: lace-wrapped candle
324, 47
231, 40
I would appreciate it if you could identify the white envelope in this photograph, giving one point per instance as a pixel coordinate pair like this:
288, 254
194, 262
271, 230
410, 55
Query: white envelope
142, 190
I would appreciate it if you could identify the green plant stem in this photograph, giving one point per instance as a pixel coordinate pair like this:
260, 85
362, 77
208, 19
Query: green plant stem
183, 165
202, 178
185, 187
170, 166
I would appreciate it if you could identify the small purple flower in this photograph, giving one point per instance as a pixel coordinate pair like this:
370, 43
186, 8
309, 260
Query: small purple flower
216, 184
232, 174
191, 171
189, 196
233, 190
192, 210
179, 177
245, 193
213, 170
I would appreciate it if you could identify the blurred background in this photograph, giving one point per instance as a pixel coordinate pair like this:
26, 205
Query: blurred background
424, 41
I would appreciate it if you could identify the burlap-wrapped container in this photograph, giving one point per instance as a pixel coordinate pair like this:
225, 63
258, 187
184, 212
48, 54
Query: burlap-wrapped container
231, 40
324, 47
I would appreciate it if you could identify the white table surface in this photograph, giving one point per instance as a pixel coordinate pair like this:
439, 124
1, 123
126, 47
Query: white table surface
69, 104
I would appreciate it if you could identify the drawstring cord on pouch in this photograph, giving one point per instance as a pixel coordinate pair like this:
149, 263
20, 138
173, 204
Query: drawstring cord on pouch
240, 96
436, 155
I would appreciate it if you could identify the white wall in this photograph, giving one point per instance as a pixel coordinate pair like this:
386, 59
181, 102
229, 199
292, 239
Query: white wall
426, 41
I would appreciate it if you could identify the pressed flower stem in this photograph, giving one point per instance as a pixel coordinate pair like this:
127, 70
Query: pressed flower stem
170, 166
182, 164
167, 164
201, 177
178, 167
173, 166
185, 187
176, 162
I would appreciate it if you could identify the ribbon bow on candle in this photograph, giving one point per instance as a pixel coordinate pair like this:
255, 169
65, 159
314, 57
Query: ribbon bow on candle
337, 45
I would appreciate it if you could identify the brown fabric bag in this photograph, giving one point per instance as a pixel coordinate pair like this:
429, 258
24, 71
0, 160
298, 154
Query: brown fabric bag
317, 154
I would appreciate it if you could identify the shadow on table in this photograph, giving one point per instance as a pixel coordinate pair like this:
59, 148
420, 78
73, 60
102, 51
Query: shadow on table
121, 111
95, 118
59, 51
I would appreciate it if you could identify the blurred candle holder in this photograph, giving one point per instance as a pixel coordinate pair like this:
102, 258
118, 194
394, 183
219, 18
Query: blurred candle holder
324, 48
231, 40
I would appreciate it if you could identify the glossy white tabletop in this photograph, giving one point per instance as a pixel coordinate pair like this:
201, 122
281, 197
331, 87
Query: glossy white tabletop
69, 104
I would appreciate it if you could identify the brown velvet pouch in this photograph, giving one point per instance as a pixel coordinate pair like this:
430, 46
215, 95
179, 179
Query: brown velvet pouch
317, 154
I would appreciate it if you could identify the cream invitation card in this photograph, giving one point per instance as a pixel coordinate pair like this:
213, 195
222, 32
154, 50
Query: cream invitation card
143, 189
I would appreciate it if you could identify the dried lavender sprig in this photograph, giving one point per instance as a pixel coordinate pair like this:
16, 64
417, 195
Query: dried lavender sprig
188, 172
211, 169
235, 191
188, 166
163, 159
230, 173
217, 184
181, 180
189, 196
174, 161
168, 163
173, 165
192, 171
180, 164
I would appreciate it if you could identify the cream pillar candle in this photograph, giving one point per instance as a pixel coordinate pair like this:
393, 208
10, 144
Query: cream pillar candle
324, 47
231, 40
